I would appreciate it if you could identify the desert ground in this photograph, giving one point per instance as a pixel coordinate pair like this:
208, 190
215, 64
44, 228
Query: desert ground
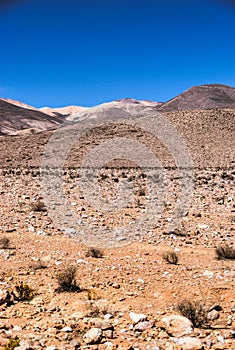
126, 296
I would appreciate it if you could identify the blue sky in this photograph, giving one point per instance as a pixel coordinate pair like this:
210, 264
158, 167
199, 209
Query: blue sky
84, 52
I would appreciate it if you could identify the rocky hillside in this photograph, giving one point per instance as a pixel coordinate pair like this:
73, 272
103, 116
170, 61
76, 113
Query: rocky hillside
210, 96
15, 119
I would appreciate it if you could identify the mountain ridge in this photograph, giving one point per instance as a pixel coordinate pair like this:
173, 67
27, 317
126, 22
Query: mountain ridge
17, 117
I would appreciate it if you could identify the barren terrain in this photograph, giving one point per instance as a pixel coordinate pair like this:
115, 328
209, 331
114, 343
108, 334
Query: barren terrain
126, 296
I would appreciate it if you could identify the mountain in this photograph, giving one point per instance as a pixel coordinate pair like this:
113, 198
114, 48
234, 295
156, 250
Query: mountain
62, 111
19, 104
65, 111
123, 108
16, 118
210, 96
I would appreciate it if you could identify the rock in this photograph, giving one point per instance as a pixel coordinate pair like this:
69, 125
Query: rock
66, 329
76, 316
208, 274
212, 315
103, 324
108, 333
75, 343
189, 343
142, 326
4, 296
93, 336
216, 307
70, 231
177, 325
136, 318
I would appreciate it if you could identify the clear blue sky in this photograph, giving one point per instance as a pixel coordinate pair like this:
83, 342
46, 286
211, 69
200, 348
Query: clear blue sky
84, 52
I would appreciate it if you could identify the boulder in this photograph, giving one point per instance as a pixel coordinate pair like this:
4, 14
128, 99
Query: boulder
93, 336
136, 318
177, 326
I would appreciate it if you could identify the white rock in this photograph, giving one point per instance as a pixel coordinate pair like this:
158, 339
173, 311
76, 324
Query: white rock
208, 274
137, 317
66, 329
93, 336
212, 315
220, 339
189, 343
177, 325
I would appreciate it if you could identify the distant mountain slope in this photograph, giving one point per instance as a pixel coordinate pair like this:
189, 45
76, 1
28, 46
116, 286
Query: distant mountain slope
15, 119
211, 96
18, 103
109, 111
65, 111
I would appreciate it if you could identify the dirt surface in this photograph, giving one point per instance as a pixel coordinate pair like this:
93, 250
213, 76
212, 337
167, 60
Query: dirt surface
126, 295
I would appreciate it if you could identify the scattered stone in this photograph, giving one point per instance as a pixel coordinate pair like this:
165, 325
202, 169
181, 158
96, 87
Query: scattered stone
177, 326
143, 326
136, 318
66, 329
189, 343
93, 336
103, 324
213, 315
4, 296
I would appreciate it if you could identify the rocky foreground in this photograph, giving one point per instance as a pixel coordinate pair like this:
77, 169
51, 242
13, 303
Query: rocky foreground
127, 297
153, 288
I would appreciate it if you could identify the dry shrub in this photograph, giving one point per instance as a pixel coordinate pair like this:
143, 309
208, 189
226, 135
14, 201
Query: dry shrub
38, 206
38, 265
12, 344
225, 252
67, 280
22, 292
94, 253
171, 257
4, 242
195, 312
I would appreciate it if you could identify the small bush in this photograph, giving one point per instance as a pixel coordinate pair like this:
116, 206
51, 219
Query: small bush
94, 311
38, 206
38, 265
4, 242
195, 312
94, 253
22, 292
225, 252
171, 257
67, 280
12, 344
91, 294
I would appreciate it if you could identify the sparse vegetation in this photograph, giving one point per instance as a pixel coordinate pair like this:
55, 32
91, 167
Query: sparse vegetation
195, 312
171, 257
95, 311
91, 294
94, 253
38, 206
4, 242
225, 252
22, 292
12, 344
38, 265
67, 280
